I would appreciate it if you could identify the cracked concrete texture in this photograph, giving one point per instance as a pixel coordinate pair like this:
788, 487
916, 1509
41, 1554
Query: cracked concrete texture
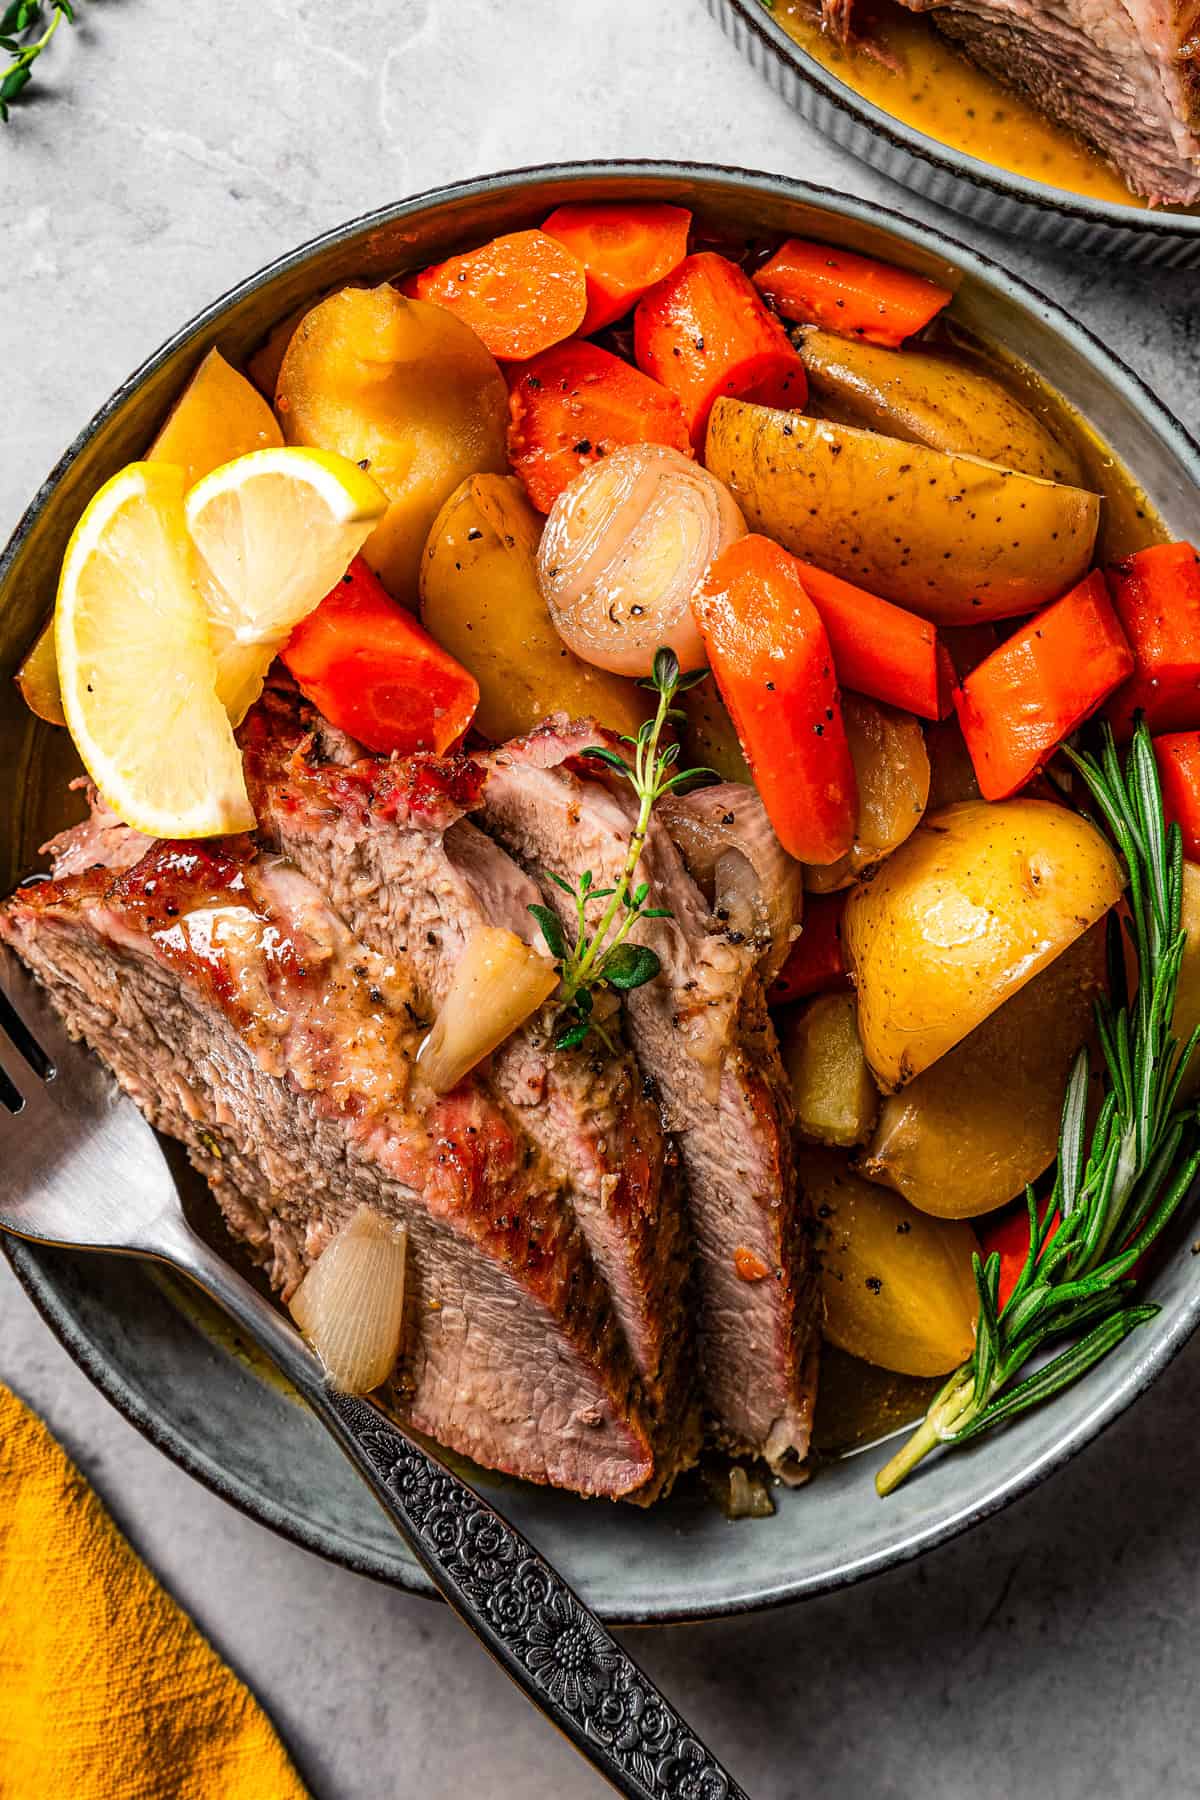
171, 149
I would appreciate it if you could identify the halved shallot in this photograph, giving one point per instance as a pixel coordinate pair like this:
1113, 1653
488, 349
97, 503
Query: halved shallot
625, 547
350, 1305
498, 983
734, 857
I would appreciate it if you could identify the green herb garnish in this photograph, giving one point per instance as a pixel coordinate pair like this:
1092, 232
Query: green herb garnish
602, 958
17, 23
1111, 1197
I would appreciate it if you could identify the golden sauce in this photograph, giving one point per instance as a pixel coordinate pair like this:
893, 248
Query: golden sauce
859, 1405
220, 1330
925, 83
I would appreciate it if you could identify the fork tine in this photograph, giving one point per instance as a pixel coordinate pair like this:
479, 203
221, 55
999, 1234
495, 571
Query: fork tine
13, 1026
11, 1098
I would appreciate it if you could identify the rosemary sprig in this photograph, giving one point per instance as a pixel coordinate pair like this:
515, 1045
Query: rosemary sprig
601, 957
1113, 1195
18, 20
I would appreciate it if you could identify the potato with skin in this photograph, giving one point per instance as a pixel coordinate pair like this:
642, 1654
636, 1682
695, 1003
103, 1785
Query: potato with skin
407, 389
929, 396
480, 599
887, 748
37, 678
218, 417
951, 537
834, 1097
708, 735
898, 1286
972, 906
966, 1136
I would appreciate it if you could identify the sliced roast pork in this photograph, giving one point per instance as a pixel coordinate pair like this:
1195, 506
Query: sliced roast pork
701, 1033
413, 878
1123, 75
233, 1003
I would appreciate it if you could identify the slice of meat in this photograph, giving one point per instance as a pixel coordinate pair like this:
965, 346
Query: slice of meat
101, 841
243, 1017
1123, 75
701, 1031
413, 878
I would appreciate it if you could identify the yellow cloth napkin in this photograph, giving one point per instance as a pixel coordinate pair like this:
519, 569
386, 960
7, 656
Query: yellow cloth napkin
107, 1690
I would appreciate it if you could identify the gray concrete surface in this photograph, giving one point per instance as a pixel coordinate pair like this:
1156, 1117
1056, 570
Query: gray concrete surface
172, 148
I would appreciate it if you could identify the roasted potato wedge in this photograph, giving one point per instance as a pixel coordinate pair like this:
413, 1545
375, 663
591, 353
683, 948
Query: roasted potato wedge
977, 901
37, 678
407, 389
218, 416
1187, 994
834, 1096
929, 396
480, 599
709, 739
966, 1136
892, 769
952, 537
898, 1286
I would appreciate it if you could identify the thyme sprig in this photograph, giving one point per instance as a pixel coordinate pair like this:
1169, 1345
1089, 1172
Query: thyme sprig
1114, 1193
18, 20
601, 956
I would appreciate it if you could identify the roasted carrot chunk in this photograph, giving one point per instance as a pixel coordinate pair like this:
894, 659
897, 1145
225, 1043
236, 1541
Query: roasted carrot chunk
624, 251
1156, 594
1178, 758
519, 294
880, 649
1030, 693
853, 295
573, 404
704, 331
370, 668
771, 658
815, 964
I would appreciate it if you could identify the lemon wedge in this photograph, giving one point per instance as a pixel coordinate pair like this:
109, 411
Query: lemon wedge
275, 530
135, 665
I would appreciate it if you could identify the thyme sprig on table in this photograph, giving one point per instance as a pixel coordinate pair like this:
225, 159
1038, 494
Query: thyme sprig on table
17, 22
1114, 1193
601, 956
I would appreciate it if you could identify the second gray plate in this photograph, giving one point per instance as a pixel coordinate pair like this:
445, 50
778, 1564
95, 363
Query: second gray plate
982, 191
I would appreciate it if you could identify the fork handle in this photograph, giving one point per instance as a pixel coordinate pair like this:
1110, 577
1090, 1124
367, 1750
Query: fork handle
537, 1628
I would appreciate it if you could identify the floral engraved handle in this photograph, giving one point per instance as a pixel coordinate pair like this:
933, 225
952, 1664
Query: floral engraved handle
537, 1628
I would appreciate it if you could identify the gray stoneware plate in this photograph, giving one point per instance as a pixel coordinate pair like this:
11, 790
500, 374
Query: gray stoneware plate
206, 1406
982, 191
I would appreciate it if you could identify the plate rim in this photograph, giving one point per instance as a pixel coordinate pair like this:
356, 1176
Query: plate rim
1159, 1348
1006, 184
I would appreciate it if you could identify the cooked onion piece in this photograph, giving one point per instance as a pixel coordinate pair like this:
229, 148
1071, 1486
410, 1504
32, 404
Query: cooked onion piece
350, 1305
732, 854
747, 1497
625, 547
498, 983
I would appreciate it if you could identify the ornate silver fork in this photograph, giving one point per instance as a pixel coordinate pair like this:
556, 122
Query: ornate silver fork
82, 1169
